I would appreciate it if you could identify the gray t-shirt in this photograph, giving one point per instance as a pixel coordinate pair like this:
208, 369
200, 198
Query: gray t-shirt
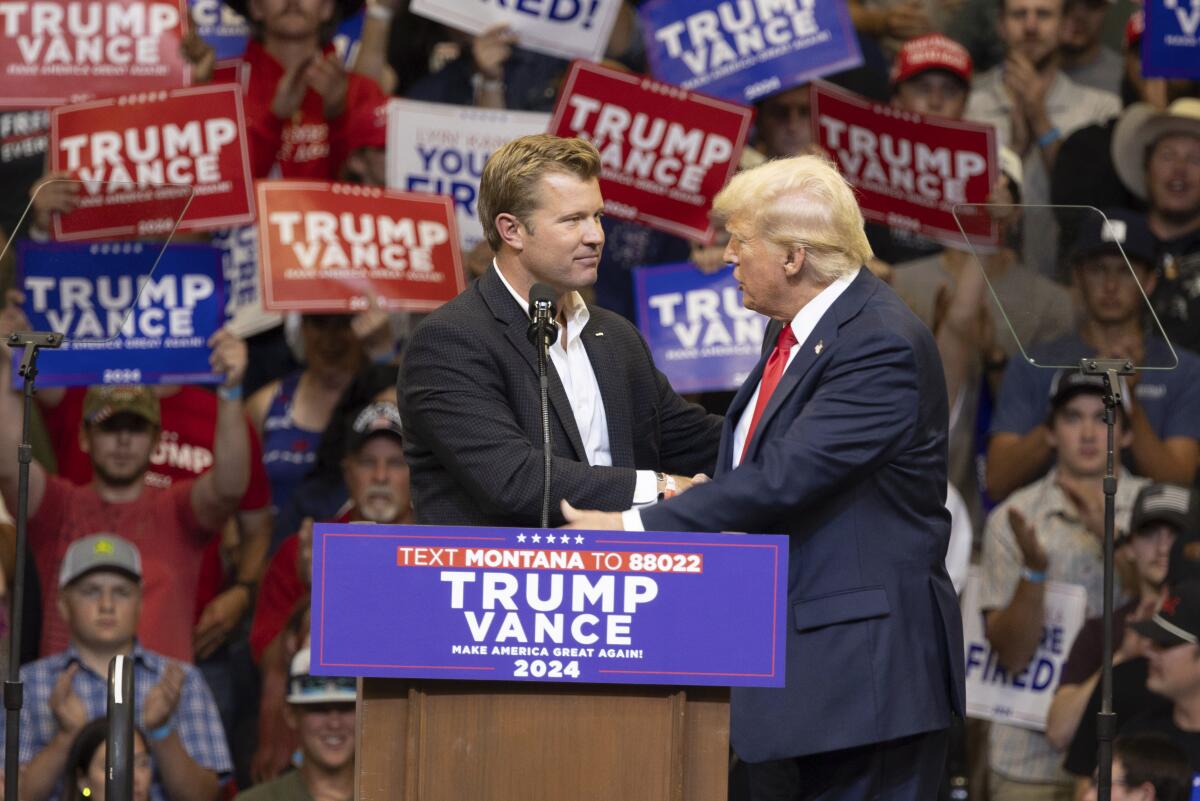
288, 787
1103, 73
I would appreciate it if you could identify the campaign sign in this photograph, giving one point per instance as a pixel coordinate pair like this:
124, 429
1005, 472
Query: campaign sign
227, 31
746, 49
664, 152
909, 170
700, 334
244, 313
327, 247
548, 605
441, 149
563, 28
125, 319
65, 51
1020, 699
133, 152
1171, 42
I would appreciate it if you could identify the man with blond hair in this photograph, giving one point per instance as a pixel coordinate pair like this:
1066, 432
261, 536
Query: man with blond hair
469, 386
838, 439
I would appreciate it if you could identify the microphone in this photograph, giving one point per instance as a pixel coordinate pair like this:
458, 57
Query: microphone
542, 312
543, 331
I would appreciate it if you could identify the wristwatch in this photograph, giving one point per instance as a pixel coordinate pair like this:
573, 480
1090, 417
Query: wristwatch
667, 486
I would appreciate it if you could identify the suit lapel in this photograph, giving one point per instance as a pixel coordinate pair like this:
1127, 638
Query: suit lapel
818, 342
618, 408
516, 325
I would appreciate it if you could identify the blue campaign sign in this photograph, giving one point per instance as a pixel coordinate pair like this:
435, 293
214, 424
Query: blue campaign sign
1171, 42
700, 335
226, 31
504, 604
86, 290
744, 50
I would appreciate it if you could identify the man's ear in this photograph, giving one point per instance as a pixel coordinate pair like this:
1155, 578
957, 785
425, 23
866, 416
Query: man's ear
1148, 279
794, 263
511, 231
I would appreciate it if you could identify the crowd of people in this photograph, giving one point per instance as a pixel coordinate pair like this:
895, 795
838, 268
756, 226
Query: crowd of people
174, 523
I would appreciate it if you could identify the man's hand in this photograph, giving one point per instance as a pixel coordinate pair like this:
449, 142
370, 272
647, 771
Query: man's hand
290, 92
327, 77
12, 316
228, 357
1088, 499
907, 20
199, 54
492, 49
218, 619
1031, 550
304, 551
590, 519
163, 697
68, 708
54, 193
1029, 86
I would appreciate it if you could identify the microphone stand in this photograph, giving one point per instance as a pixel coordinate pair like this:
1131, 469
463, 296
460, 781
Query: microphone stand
118, 760
14, 689
542, 331
1106, 719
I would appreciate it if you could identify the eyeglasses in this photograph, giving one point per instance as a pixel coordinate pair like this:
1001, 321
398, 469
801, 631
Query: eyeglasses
312, 686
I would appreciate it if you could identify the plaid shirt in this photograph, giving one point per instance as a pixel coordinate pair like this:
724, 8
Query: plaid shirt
1075, 557
195, 718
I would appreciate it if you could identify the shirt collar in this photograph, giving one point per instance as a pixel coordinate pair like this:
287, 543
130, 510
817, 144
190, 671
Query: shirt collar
574, 310
807, 318
147, 659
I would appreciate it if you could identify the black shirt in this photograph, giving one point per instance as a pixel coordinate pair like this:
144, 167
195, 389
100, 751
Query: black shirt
1163, 722
1130, 699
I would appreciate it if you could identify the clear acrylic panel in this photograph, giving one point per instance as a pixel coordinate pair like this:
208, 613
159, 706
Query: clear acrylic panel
1107, 261
134, 220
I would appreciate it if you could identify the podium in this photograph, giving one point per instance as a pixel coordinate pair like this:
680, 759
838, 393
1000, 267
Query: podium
535, 665
435, 740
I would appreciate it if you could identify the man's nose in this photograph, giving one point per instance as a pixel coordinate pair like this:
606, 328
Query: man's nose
594, 233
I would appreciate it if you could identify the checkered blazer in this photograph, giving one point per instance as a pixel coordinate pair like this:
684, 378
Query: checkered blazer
468, 394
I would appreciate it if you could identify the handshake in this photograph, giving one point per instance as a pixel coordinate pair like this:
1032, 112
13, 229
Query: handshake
595, 520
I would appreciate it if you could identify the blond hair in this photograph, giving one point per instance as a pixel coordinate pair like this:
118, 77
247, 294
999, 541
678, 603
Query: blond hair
799, 202
510, 177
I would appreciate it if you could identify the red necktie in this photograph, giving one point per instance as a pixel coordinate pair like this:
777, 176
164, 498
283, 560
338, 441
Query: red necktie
770, 379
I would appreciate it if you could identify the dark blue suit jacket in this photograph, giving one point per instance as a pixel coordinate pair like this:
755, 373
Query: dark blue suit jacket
849, 459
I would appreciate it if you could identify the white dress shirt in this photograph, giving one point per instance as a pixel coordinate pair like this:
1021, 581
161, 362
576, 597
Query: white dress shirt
578, 380
802, 326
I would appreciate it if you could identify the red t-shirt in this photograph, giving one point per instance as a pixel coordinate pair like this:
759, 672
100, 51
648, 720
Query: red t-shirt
185, 451
307, 145
159, 522
279, 592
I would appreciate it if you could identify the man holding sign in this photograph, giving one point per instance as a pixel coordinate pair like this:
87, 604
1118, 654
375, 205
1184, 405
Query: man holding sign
469, 387
171, 526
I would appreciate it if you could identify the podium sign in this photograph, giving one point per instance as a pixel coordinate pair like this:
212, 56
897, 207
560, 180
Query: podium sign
549, 605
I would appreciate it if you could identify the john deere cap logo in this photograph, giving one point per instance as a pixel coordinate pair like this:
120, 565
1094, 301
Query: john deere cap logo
103, 546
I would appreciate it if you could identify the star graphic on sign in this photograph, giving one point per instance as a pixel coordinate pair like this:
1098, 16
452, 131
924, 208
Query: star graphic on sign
550, 538
579, 539
520, 538
537, 538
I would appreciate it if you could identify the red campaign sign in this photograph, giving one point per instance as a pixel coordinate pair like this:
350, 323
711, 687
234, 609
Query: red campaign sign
909, 170
55, 52
326, 247
133, 152
665, 152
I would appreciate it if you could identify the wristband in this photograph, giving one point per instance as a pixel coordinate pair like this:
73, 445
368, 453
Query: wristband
230, 393
669, 488
1033, 576
1049, 137
159, 734
480, 83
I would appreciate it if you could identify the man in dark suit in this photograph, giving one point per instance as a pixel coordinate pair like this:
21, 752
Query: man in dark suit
469, 385
838, 439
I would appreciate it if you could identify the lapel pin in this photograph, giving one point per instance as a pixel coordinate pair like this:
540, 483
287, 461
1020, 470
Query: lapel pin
819, 347
599, 333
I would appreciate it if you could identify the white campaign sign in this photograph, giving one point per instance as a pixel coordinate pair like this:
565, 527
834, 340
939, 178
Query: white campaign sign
564, 28
441, 149
1022, 699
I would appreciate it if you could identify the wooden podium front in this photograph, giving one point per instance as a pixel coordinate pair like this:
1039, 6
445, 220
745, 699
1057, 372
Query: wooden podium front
434, 740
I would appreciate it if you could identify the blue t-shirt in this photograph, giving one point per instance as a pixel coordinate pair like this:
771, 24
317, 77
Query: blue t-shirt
1169, 398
